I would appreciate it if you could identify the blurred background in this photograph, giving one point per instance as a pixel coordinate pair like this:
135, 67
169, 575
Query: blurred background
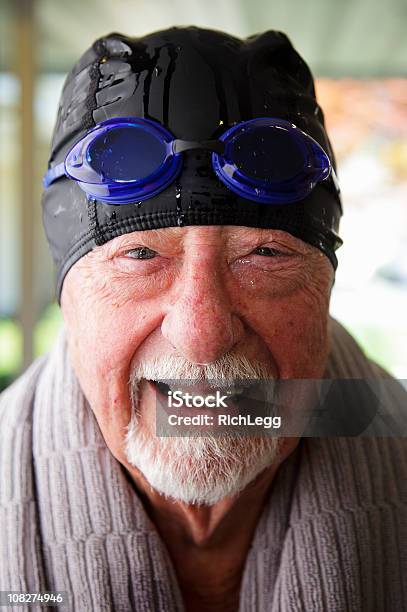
358, 52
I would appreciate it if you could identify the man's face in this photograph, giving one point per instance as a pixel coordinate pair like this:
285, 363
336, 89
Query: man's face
199, 294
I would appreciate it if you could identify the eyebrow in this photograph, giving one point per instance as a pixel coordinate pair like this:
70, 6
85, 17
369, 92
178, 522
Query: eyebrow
155, 235
169, 235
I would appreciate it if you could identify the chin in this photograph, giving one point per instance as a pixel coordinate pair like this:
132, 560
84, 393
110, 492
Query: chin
198, 470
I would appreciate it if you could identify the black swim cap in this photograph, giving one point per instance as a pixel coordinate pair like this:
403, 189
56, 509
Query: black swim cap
197, 83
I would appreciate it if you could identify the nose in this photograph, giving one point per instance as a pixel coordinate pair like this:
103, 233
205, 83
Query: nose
200, 324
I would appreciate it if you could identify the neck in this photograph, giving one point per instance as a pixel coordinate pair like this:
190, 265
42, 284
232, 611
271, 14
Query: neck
204, 525
208, 545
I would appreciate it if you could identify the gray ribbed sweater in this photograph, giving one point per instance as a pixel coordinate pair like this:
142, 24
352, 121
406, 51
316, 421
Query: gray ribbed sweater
332, 537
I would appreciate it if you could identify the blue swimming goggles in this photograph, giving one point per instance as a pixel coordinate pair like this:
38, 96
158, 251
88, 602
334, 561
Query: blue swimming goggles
128, 159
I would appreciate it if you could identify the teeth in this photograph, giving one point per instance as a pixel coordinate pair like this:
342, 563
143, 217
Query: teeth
233, 391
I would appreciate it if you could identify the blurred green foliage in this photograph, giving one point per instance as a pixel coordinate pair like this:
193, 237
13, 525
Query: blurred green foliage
11, 342
47, 329
11, 349
383, 345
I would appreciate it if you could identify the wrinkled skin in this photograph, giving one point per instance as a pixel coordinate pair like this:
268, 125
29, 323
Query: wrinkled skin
199, 291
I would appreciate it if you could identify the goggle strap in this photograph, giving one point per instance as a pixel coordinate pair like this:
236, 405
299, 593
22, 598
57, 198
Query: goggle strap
53, 174
331, 184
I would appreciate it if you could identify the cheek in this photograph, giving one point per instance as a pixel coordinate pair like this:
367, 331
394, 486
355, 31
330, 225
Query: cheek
303, 342
293, 325
104, 333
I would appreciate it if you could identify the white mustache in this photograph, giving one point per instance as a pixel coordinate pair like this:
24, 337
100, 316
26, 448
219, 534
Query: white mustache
228, 368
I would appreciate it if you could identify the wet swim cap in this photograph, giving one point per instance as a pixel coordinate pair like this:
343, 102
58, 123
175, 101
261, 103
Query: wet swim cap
197, 83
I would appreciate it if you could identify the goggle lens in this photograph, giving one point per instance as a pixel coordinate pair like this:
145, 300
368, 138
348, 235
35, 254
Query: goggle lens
126, 154
267, 154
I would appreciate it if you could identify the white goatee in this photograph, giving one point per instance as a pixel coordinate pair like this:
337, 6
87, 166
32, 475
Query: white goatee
197, 470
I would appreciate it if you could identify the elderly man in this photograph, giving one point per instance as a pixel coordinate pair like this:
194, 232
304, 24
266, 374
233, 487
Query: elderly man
192, 210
